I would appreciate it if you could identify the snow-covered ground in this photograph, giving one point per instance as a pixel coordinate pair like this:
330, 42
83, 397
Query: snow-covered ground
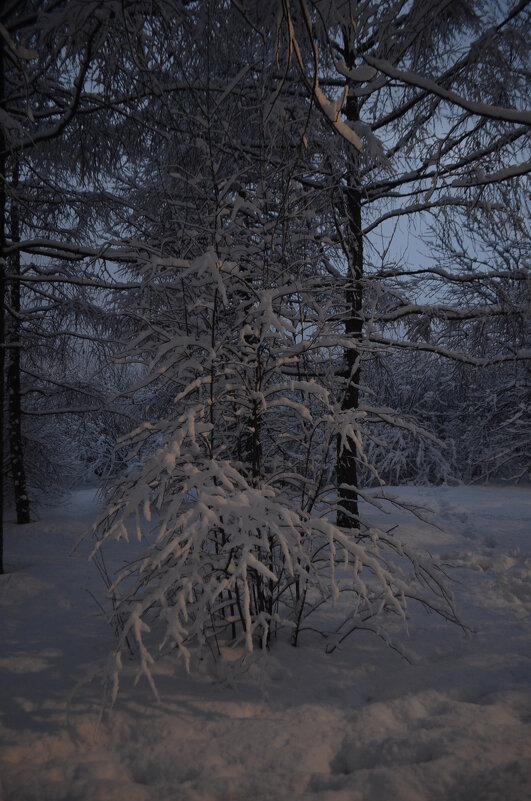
358, 725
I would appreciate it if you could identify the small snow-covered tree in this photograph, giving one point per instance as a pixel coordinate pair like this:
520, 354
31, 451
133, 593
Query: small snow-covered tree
271, 292
242, 296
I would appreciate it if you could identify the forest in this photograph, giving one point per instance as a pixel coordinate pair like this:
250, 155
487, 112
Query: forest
262, 262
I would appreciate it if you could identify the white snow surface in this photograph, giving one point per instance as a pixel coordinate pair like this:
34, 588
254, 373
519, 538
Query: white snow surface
360, 724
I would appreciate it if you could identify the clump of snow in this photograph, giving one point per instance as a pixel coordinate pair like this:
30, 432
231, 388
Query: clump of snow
357, 725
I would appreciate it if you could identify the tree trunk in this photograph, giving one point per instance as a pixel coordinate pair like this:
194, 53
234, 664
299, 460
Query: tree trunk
16, 452
347, 472
2, 303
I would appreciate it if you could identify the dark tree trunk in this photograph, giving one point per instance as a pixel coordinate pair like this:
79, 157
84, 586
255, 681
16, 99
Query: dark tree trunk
16, 452
2, 303
347, 471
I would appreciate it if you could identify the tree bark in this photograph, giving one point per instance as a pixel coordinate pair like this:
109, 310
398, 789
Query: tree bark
16, 451
347, 457
2, 304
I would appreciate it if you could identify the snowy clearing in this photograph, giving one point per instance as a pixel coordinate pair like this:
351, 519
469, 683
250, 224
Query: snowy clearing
358, 725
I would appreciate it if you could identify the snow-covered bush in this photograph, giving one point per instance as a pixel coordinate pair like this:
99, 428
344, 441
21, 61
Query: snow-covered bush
233, 504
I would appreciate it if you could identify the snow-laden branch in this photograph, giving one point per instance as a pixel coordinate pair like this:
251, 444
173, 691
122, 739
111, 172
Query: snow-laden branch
445, 275
481, 109
522, 354
66, 250
64, 280
445, 312
330, 109
482, 179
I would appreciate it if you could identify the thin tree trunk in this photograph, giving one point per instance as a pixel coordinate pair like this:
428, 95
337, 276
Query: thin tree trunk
347, 472
253, 447
16, 452
2, 304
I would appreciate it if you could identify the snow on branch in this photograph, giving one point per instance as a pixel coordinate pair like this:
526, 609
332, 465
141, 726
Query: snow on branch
481, 109
522, 354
